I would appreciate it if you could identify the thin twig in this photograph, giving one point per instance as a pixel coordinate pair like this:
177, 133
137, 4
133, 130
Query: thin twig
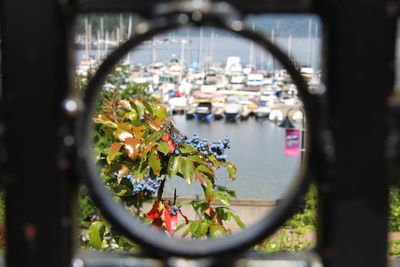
161, 190
175, 196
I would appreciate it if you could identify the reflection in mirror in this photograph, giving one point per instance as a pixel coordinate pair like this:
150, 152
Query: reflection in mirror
198, 132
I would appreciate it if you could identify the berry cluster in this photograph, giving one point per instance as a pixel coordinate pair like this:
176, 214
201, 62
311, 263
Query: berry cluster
200, 145
94, 218
217, 148
147, 185
177, 138
174, 210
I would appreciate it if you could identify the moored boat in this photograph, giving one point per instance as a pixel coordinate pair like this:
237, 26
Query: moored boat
232, 111
203, 111
275, 115
262, 112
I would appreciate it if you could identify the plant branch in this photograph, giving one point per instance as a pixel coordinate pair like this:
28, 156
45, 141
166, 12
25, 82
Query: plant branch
161, 189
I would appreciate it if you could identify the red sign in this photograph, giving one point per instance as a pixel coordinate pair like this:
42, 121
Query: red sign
292, 142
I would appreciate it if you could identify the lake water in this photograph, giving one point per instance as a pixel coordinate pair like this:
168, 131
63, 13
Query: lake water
257, 150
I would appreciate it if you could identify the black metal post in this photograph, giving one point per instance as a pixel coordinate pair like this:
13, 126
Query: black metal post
354, 193
36, 60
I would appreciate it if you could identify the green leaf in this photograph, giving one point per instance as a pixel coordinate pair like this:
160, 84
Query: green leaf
187, 170
155, 124
113, 151
214, 161
179, 227
155, 163
187, 231
122, 172
183, 203
154, 137
203, 228
132, 145
209, 191
140, 171
186, 148
199, 205
96, 234
217, 230
122, 192
201, 177
198, 159
224, 189
224, 199
146, 149
139, 108
160, 112
148, 108
103, 119
231, 170
193, 227
205, 168
125, 104
174, 164
131, 115
221, 213
163, 148
238, 221
122, 134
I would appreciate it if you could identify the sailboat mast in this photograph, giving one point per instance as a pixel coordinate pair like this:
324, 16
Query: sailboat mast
189, 49
271, 57
261, 51
98, 45
314, 48
212, 46
130, 26
121, 28
182, 60
153, 51
90, 40
251, 48
86, 38
290, 46
129, 35
106, 44
309, 41
102, 47
201, 47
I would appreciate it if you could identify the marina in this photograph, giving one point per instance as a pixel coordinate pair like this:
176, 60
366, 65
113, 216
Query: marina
239, 92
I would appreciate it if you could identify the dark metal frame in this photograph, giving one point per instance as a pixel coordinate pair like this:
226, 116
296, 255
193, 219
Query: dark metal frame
348, 158
219, 16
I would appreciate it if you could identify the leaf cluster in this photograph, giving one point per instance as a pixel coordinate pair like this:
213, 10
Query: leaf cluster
136, 141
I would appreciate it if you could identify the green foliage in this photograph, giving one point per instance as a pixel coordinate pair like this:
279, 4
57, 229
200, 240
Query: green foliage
96, 235
143, 143
2, 207
86, 210
286, 241
307, 217
136, 142
394, 209
394, 248
292, 236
